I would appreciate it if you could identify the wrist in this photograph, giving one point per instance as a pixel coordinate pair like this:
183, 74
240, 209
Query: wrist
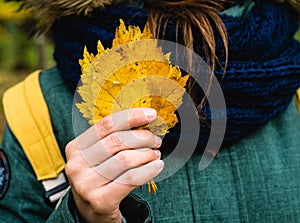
85, 213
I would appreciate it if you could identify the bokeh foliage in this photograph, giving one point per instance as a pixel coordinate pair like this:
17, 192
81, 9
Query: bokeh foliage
20, 53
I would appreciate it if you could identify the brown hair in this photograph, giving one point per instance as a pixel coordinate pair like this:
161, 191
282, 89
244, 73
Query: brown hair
294, 3
201, 14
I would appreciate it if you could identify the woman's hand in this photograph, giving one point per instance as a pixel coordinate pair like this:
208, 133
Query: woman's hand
108, 161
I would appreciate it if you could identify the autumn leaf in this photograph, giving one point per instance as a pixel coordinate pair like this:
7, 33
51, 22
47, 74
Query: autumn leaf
133, 73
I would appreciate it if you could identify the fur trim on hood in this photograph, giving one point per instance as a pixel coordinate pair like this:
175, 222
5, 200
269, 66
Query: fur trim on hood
45, 12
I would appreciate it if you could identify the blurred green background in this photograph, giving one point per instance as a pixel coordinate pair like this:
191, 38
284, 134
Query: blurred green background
20, 53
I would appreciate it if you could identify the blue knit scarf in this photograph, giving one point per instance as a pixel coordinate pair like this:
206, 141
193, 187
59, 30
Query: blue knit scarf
262, 75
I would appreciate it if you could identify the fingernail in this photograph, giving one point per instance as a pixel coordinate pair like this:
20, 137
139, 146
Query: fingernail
150, 113
157, 154
158, 142
160, 164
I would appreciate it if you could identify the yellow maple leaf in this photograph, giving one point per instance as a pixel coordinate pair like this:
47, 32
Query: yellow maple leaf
133, 73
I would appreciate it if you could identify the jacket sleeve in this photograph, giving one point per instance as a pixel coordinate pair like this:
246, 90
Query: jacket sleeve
24, 200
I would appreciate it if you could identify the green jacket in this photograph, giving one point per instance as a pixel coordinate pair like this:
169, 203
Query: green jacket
255, 180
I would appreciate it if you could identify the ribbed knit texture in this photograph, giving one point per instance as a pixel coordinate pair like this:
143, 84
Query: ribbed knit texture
262, 75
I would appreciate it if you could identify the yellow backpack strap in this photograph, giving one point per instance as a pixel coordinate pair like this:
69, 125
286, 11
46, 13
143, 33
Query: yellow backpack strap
297, 99
28, 118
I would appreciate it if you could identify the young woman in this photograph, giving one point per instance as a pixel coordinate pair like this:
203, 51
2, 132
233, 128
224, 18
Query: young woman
249, 47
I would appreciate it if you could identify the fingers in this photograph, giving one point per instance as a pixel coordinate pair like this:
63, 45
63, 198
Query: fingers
109, 160
84, 180
119, 141
133, 178
123, 161
118, 121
